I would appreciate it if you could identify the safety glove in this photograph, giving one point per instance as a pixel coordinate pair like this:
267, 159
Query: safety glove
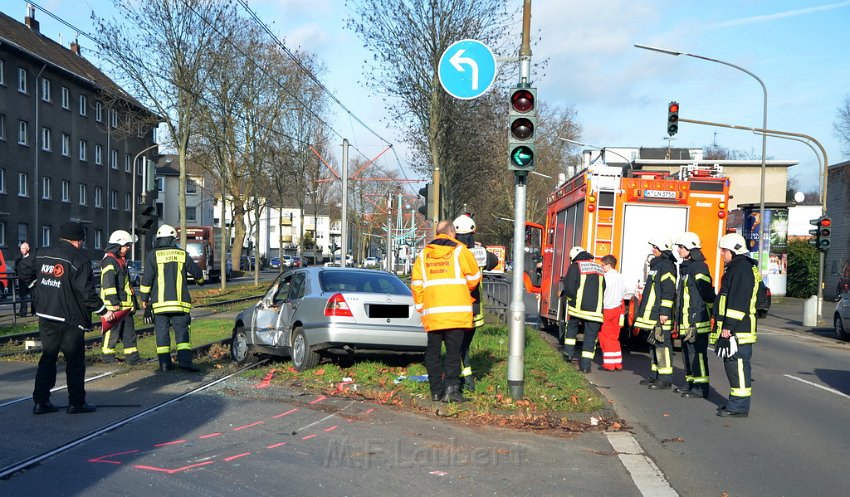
725, 348
690, 335
148, 315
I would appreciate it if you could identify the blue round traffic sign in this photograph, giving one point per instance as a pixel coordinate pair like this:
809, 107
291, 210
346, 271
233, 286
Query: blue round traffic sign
467, 69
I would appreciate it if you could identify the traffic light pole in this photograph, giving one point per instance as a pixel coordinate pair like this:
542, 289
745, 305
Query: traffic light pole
516, 333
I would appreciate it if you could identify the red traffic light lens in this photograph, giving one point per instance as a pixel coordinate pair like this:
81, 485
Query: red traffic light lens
522, 129
522, 101
674, 108
826, 222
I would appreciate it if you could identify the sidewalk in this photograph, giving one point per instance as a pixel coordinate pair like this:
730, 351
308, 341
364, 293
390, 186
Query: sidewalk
787, 313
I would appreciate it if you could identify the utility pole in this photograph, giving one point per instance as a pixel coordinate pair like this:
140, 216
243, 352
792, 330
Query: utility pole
389, 253
343, 242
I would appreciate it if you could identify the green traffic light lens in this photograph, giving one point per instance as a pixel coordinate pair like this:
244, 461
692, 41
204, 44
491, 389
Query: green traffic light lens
522, 157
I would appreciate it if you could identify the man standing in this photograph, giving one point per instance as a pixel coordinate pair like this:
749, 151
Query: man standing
65, 297
612, 315
165, 296
118, 295
444, 274
465, 233
584, 288
655, 312
23, 290
696, 298
736, 320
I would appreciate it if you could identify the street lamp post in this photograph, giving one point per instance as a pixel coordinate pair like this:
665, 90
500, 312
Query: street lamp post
133, 205
763, 134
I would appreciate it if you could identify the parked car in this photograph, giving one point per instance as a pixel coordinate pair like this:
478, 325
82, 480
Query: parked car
274, 263
841, 318
135, 270
763, 300
288, 261
296, 261
313, 312
371, 262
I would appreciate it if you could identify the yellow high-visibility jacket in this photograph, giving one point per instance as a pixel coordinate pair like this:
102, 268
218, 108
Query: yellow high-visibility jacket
444, 274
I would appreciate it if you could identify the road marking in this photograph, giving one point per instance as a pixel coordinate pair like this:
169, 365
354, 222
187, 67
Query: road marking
807, 382
647, 477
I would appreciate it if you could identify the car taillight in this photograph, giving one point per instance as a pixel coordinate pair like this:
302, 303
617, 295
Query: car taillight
337, 306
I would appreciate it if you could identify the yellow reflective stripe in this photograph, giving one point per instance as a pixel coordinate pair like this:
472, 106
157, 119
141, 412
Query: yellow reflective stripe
569, 341
184, 346
145, 289
160, 307
586, 315
163, 350
667, 276
130, 350
666, 303
588, 354
467, 371
737, 315
110, 291
742, 392
703, 277
107, 269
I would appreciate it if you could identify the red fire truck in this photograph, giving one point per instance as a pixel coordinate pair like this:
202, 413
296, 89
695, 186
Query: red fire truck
609, 210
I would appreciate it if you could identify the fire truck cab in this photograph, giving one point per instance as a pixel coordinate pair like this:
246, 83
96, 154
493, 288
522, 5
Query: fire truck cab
614, 210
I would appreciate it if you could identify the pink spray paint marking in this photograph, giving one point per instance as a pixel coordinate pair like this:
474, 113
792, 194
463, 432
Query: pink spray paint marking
332, 428
285, 413
172, 471
318, 399
369, 411
105, 459
266, 381
237, 456
170, 443
274, 446
308, 437
249, 425
211, 435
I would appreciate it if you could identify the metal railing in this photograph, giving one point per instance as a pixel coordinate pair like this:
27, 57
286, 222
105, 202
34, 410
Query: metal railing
10, 301
497, 298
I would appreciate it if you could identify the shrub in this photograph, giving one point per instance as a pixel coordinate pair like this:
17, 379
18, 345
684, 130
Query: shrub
802, 269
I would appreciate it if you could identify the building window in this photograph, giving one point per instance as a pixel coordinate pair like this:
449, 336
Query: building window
191, 186
23, 233
98, 112
84, 103
113, 159
22, 80
66, 191
191, 213
45, 187
45, 90
98, 197
2, 233
128, 205
113, 118
98, 154
98, 238
23, 133
45, 236
66, 97
23, 185
127, 165
3, 127
2, 180
113, 199
2, 72
84, 151
66, 145
83, 192
46, 140
160, 184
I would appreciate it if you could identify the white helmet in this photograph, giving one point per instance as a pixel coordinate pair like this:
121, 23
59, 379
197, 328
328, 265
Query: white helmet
121, 237
661, 242
166, 231
464, 224
689, 240
575, 251
734, 243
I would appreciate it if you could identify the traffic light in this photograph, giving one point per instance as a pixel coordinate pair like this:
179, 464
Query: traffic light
145, 218
425, 193
522, 119
821, 234
672, 118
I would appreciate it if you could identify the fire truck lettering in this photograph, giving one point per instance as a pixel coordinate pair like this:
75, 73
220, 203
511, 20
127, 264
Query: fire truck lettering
704, 204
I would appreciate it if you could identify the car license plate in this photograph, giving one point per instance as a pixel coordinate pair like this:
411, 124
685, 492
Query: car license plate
389, 311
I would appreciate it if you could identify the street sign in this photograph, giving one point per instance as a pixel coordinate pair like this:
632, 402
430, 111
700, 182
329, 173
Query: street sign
467, 69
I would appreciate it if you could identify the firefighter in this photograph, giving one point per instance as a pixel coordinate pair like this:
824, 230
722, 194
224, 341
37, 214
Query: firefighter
444, 274
165, 296
655, 313
117, 294
583, 286
736, 321
612, 313
465, 233
695, 302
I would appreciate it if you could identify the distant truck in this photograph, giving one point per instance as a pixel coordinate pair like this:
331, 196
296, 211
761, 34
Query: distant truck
202, 243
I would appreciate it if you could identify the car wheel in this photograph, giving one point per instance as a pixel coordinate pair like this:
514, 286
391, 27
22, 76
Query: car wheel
302, 357
239, 350
840, 332
761, 313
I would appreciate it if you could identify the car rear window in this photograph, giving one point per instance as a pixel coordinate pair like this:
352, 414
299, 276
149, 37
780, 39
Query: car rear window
362, 281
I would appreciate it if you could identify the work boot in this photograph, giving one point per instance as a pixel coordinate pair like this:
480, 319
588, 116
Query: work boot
647, 381
686, 388
44, 408
83, 408
107, 358
661, 385
189, 367
437, 395
695, 394
134, 359
165, 363
467, 383
453, 395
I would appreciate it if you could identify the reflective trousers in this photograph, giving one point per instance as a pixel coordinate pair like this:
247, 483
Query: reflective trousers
662, 359
465, 364
445, 373
125, 332
740, 379
588, 348
56, 337
180, 321
695, 361
609, 339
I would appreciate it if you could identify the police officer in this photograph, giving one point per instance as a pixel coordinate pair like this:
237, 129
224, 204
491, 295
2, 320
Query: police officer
655, 313
165, 295
696, 299
118, 295
736, 322
465, 233
583, 287
60, 278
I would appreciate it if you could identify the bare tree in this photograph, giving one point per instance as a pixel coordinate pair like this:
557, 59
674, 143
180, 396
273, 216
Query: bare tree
842, 126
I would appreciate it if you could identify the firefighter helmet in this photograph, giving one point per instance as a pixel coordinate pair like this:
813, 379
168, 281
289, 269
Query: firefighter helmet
734, 243
575, 251
662, 243
166, 231
689, 240
120, 237
464, 224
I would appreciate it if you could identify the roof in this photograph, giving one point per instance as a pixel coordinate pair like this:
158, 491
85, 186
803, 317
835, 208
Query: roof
662, 153
32, 43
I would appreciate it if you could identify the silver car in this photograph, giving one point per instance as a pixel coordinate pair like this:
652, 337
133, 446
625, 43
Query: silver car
841, 318
316, 311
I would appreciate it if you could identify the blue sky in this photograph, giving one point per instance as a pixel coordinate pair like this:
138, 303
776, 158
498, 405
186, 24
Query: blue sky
798, 48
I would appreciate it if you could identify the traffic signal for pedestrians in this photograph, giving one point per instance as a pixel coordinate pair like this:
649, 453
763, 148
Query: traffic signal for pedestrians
672, 118
425, 193
145, 218
522, 121
821, 235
